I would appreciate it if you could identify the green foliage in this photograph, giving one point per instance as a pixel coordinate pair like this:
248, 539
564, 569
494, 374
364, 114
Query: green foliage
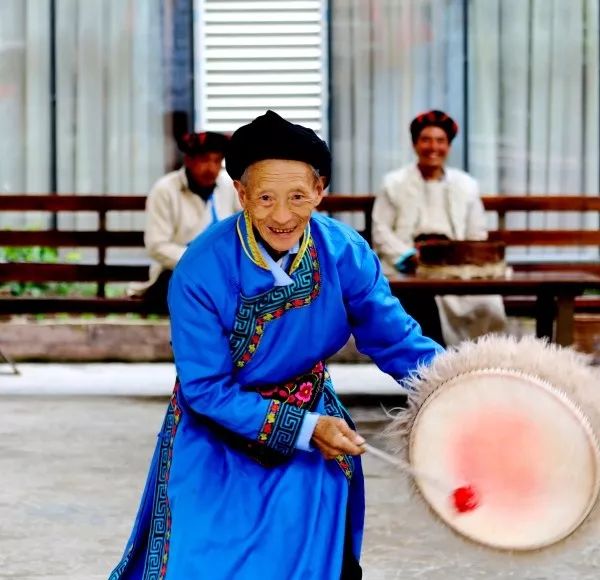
29, 254
42, 255
115, 290
47, 255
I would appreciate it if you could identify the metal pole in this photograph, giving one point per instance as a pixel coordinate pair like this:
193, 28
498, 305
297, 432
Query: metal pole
53, 138
466, 83
192, 69
329, 80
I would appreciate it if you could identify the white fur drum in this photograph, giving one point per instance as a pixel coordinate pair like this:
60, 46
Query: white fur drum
501, 439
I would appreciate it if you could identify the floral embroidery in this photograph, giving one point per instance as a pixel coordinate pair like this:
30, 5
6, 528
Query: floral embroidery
277, 436
304, 392
267, 427
281, 419
342, 461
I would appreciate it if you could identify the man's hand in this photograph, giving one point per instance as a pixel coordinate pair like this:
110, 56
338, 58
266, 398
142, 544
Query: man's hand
408, 262
333, 437
411, 263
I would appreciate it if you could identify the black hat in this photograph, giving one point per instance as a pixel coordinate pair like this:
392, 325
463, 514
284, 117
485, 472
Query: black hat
272, 137
206, 142
433, 119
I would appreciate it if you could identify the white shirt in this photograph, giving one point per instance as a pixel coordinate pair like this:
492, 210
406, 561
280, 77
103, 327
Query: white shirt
434, 217
175, 216
408, 206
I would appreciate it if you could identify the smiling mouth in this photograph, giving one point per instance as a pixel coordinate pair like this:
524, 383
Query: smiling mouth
282, 230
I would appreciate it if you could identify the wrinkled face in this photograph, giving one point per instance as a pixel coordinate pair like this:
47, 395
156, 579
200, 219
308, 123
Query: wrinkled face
432, 148
204, 168
279, 196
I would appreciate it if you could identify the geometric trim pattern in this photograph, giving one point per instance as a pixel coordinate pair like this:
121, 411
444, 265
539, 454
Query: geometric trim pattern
160, 531
334, 408
276, 440
286, 411
281, 427
157, 554
117, 573
256, 312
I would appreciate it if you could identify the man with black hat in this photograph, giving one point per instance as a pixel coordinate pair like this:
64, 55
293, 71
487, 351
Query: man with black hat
181, 205
428, 200
257, 470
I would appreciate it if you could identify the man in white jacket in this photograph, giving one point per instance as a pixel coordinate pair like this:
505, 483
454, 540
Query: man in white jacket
181, 205
427, 199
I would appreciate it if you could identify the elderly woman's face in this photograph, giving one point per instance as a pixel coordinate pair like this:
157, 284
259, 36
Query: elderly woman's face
432, 147
279, 196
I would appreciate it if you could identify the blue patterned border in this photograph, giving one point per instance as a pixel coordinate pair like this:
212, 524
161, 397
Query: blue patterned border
155, 567
255, 312
334, 408
281, 427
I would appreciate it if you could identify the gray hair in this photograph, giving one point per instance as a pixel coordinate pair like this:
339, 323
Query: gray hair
244, 178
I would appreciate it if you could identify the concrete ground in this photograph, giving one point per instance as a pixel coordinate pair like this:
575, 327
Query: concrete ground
156, 379
72, 468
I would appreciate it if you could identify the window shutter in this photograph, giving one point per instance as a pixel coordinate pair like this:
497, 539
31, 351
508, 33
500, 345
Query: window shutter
251, 56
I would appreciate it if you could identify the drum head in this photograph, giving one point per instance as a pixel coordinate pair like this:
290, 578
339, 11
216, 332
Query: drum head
511, 462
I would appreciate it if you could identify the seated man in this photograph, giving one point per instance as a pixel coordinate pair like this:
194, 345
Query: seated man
427, 200
181, 205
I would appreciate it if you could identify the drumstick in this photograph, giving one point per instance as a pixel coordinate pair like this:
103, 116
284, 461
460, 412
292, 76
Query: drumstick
465, 498
402, 465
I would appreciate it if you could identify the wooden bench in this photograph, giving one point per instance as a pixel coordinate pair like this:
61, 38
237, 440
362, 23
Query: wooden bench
529, 238
99, 239
562, 238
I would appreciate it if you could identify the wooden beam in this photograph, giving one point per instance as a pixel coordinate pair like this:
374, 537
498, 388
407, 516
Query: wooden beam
70, 203
37, 272
504, 203
352, 203
72, 239
546, 237
73, 305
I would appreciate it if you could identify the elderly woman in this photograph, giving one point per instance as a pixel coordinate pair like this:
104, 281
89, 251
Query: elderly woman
424, 200
257, 471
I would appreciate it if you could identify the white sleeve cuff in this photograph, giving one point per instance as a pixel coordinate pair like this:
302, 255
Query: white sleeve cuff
306, 432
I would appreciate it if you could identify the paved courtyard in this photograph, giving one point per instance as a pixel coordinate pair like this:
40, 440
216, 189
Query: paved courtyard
72, 468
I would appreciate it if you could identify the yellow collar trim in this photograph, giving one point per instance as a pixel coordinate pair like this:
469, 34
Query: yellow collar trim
302, 249
251, 249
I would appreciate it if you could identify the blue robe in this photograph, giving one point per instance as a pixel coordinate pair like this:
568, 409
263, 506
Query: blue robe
229, 496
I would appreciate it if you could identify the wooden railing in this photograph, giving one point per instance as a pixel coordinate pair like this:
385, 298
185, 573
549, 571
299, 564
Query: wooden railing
102, 238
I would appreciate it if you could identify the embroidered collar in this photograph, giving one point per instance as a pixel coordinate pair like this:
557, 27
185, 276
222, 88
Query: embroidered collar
252, 248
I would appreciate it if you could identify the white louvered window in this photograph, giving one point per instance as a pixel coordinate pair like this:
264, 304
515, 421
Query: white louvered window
251, 56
